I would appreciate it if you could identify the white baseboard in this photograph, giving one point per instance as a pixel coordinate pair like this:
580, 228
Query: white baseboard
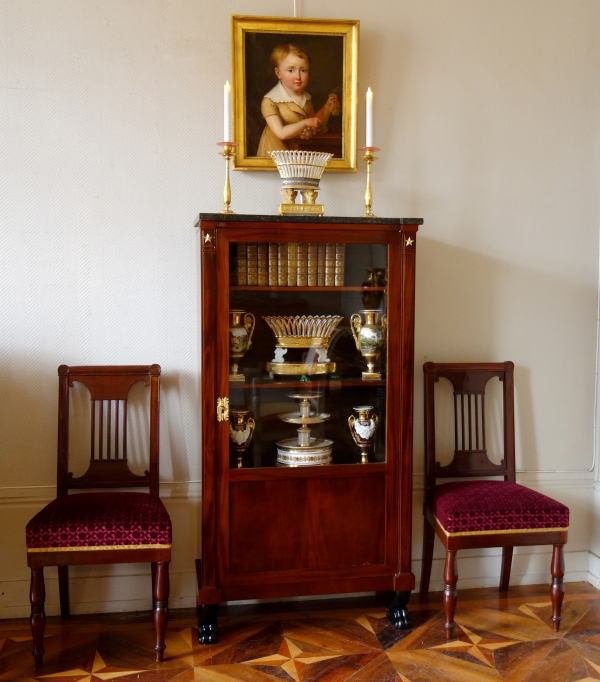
483, 570
126, 587
132, 591
594, 571
98, 594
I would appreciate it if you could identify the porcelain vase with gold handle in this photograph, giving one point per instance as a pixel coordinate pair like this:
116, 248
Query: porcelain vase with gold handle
370, 338
241, 328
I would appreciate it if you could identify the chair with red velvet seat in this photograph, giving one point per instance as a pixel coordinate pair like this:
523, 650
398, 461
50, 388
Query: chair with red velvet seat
102, 527
486, 513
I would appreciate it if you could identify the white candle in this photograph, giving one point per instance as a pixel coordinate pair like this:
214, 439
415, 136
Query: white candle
369, 123
227, 113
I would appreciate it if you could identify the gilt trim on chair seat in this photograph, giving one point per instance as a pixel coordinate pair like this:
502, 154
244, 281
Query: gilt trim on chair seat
92, 521
498, 532
94, 548
487, 507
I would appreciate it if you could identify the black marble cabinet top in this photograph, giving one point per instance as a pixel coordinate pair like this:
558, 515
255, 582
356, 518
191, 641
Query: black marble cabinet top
325, 220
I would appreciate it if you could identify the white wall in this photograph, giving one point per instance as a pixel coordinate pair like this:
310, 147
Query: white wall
487, 115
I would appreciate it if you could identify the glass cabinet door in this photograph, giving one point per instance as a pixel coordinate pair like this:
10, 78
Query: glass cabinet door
307, 354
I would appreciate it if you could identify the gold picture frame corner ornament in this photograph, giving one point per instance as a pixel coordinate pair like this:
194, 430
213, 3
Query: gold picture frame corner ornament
332, 47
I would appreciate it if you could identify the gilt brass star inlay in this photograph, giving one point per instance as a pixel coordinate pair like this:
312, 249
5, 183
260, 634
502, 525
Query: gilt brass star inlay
476, 646
291, 659
410, 241
100, 671
207, 238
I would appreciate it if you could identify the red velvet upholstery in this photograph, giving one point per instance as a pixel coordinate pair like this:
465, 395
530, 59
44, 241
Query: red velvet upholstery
107, 519
479, 506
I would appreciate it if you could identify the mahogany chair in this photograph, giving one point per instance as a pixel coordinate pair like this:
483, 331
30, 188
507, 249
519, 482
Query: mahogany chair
487, 513
102, 527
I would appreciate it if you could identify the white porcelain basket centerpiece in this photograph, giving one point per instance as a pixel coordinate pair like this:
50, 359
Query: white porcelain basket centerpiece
300, 172
311, 332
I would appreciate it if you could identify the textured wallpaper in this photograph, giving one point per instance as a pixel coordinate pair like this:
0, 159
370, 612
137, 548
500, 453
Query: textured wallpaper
487, 116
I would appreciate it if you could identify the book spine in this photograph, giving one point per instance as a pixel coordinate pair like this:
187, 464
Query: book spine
263, 264
242, 264
252, 260
292, 273
340, 258
282, 264
302, 279
311, 265
329, 265
272, 264
321, 265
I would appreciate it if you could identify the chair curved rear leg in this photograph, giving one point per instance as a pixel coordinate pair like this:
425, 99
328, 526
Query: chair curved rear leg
161, 607
63, 591
428, 540
37, 620
557, 589
507, 555
449, 598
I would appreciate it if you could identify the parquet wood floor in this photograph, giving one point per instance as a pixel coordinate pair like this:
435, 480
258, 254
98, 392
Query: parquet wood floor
499, 638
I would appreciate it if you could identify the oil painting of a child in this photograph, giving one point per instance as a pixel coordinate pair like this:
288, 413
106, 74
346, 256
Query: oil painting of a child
287, 108
293, 94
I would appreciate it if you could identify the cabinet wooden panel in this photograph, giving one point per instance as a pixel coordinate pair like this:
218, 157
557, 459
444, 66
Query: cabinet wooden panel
274, 524
307, 533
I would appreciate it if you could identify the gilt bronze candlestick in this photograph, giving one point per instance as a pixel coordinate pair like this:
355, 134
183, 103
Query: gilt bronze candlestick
227, 154
369, 157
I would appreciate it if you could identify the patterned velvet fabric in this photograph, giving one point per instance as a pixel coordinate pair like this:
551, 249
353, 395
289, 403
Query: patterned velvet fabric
475, 506
100, 520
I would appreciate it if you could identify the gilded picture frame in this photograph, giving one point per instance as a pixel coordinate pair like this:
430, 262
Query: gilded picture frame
331, 49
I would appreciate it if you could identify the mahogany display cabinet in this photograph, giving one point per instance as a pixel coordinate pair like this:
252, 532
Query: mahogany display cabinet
307, 329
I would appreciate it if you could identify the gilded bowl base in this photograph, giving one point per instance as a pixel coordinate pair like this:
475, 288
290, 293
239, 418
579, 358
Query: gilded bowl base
301, 209
299, 368
237, 377
371, 376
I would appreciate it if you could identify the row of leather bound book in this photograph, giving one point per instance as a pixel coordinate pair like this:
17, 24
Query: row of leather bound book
291, 265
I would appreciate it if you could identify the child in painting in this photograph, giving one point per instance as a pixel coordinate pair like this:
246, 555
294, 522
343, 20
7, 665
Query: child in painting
287, 108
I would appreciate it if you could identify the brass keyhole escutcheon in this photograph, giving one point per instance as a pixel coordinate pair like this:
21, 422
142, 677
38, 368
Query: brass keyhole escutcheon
222, 409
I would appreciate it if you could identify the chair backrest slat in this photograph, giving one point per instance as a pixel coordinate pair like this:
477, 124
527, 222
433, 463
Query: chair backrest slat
108, 387
125, 429
100, 404
483, 421
117, 411
470, 457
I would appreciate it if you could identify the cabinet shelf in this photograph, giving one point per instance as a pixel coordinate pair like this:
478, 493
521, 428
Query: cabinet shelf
314, 383
238, 287
329, 471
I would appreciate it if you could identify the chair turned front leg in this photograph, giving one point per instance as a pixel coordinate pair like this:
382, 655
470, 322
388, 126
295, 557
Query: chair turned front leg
161, 607
428, 540
37, 620
449, 598
153, 573
557, 589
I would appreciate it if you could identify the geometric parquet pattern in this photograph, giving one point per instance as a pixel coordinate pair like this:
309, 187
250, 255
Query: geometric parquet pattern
499, 638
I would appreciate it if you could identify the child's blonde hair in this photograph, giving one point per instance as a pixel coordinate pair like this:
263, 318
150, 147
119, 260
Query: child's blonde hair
281, 52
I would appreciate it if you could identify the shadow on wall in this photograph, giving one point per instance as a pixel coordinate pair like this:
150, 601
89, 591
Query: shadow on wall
28, 426
471, 307
28, 420
180, 444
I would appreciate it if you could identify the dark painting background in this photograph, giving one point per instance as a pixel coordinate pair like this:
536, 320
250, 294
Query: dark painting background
326, 75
